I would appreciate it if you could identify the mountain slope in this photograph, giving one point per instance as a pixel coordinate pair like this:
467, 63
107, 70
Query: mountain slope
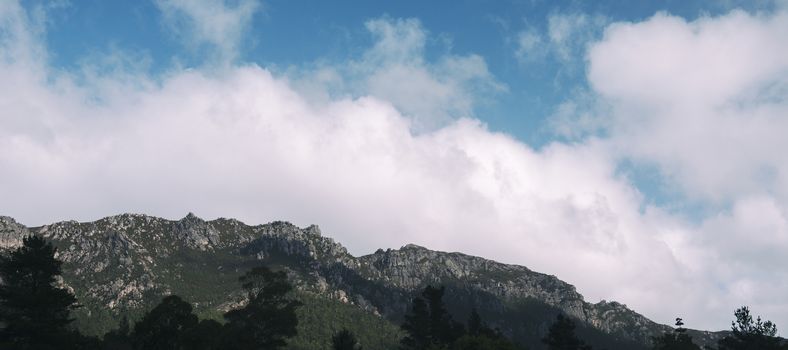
124, 264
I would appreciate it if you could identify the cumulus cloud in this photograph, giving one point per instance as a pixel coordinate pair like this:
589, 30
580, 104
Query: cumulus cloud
248, 143
705, 102
394, 69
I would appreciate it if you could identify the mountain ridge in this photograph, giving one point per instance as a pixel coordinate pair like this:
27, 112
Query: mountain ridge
123, 262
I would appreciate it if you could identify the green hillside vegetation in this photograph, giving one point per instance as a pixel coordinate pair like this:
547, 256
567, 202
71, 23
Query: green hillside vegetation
119, 284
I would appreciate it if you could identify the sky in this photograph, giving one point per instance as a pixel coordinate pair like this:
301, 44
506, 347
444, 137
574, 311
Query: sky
636, 150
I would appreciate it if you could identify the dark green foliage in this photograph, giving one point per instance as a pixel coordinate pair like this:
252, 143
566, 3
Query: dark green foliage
429, 324
206, 335
749, 334
321, 317
417, 326
444, 329
270, 316
166, 326
676, 340
561, 336
34, 311
344, 340
120, 338
482, 342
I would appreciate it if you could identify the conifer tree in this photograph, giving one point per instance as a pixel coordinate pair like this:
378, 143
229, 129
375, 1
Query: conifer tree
344, 340
270, 316
750, 334
166, 326
34, 310
429, 324
417, 326
676, 340
561, 336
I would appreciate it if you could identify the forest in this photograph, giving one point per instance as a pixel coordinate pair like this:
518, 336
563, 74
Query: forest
36, 313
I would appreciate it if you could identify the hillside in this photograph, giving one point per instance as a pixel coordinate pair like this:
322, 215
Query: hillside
124, 264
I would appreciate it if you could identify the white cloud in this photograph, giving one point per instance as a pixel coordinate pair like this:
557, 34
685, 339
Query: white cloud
246, 143
706, 103
705, 100
213, 22
394, 69
528, 45
241, 142
564, 38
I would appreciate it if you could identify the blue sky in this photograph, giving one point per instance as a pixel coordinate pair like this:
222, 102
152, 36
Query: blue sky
284, 34
638, 138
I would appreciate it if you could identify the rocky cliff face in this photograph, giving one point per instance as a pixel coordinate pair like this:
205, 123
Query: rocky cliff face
125, 263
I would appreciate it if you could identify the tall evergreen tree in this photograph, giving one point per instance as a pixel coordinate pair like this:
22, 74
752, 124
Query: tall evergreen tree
34, 310
676, 340
344, 340
429, 324
417, 326
481, 337
270, 316
749, 334
120, 338
561, 336
166, 326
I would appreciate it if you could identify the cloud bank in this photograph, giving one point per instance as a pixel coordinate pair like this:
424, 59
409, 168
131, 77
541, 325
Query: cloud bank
703, 101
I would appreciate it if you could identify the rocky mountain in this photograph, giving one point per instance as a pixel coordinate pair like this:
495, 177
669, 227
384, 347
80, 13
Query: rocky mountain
123, 265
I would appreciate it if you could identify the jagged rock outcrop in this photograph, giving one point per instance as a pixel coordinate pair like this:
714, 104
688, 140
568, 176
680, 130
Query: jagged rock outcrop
127, 262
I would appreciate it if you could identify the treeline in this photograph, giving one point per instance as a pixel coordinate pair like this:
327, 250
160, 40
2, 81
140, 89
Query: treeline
35, 313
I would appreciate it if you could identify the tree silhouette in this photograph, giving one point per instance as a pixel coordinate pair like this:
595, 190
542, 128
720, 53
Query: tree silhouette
344, 340
750, 334
444, 329
120, 338
34, 310
206, 335
676, 340
417, 326
481, 337
429, 324
561, 336
166, 326
270, 316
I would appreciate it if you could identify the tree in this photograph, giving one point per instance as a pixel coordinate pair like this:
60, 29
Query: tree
417, 326
429, 324
206, 335
750, 335
344, 340
561, 336
482, 342
444, 329
676, 340
35, 312
120, 338
166, 326
270, 316
481, 337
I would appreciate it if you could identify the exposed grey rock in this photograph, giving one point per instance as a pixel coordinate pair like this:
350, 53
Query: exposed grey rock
126, 262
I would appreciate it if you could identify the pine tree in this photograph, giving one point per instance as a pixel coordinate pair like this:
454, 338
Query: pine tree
120, 338
561, 336
417, 326
676, 340
34, 310
270, 316
344, 340
429, 324
166, 326
750, 334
